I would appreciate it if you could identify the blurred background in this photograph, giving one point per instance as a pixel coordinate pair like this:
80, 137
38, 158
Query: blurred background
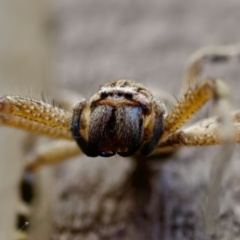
81, 44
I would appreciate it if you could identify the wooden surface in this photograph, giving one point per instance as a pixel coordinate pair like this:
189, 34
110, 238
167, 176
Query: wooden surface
149, 41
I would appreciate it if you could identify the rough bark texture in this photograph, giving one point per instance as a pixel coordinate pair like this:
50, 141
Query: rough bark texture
149, 41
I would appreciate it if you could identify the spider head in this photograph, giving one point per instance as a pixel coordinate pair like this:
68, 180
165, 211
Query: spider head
120, 118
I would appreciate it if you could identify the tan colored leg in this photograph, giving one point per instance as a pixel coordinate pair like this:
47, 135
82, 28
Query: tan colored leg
36, 111
203, 133
21, 235
35, 116
208, 89
28, 125
209, 54
51, 153
30, 122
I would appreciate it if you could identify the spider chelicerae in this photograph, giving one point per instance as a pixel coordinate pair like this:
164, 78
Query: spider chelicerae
124, 117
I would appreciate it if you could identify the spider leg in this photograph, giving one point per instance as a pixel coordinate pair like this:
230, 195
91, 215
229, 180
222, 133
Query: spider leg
209, 54
203, 133
35, 116
50, 153
55, 151
208, 89
37, 111
35, 127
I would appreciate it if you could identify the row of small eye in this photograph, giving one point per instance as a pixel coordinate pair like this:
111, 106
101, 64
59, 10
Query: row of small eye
119, 93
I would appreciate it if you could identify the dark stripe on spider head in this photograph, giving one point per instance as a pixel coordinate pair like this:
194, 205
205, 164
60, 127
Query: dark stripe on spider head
140, 89
113, 84
125, 84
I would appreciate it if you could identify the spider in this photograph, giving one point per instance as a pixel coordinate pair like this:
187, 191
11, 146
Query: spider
125, 118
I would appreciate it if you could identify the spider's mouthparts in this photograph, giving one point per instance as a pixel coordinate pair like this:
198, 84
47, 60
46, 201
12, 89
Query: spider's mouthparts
114, 130
111, 130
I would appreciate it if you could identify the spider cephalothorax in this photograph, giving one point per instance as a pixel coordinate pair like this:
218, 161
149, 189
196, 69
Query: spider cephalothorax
124, 117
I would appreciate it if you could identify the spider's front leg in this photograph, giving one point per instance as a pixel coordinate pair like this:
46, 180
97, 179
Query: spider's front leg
208, 89
35, 116
203, 133
42, 118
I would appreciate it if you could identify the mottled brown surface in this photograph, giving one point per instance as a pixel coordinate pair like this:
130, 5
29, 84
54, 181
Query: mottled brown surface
149, 41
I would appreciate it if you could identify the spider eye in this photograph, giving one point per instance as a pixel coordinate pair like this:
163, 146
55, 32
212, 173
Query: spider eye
120, 93
104, 94
128, 95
